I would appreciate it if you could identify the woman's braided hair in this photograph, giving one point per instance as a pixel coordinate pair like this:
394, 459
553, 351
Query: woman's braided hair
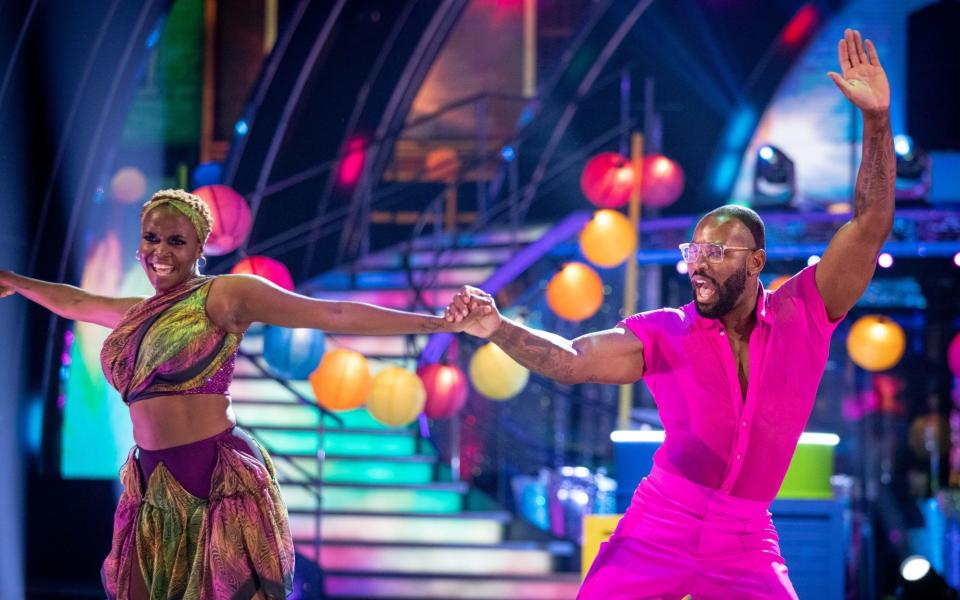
191, 205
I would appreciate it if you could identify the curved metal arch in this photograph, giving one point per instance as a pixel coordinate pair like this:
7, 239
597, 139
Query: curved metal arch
397, 108
607, 25
392, 72
255, 197
613, 42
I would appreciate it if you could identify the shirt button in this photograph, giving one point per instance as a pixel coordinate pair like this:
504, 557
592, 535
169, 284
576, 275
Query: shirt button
739, 456
722, 332
743, 423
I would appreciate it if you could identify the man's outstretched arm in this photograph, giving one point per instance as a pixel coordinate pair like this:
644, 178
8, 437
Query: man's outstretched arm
850, 259
611, 356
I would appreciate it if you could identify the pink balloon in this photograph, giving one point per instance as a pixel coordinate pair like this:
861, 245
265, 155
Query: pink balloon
266, 267
128, 185
953, 356
662, 181
446, 388
231, 218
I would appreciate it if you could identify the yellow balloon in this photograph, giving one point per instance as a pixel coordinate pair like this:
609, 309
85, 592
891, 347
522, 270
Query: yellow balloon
495, 375
575, 293
397, 396
342, 380
876, 342
608, 239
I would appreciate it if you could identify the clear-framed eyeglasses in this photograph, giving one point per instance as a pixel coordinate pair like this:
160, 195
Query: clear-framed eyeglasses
709, 251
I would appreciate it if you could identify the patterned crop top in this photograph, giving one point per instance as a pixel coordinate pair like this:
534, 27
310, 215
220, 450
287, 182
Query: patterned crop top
167, 346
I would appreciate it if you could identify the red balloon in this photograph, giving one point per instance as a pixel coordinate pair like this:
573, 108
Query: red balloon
266, 267
607, 180
447, 389
231, 218
662, 181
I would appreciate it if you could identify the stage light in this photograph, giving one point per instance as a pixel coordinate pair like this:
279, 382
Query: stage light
241, 127
902, 144
913, 169
774, 180
682, 267
508, 153
920, 580
885, 260
956, 259
814, 259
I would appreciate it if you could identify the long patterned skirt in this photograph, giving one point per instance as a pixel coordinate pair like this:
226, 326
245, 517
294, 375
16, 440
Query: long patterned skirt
233, 544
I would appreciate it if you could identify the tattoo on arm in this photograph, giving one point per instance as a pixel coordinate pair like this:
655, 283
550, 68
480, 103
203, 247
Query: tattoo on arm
431, 325
876, 177
535, 352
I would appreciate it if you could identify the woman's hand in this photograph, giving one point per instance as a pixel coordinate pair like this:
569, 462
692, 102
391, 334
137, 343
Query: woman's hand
6, 287
473, 311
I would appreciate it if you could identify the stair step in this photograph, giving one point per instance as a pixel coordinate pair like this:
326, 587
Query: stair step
487, 237
471, 528
371, 498
397, 279
356, 469
560, 586
297, 415
501, 559
462, 257
352, 442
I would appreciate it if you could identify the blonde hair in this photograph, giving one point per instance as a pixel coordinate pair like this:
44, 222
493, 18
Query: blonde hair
192, 206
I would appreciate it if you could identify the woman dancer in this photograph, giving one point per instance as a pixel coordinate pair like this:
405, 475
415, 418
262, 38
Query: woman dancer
201, 514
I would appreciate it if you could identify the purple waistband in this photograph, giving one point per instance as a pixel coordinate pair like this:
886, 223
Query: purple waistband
192, 464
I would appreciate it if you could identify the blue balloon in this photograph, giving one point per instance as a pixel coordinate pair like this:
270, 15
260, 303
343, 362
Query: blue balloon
208, 173
292, 353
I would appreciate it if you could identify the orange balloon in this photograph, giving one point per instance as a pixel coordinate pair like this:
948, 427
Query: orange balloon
876, 343
342, 380
608, 239
777, 282
442, 164
576, 292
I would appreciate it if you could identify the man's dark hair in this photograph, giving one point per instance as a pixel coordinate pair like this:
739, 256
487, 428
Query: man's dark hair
745, 215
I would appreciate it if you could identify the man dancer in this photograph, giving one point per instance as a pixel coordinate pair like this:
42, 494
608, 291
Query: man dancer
734, 374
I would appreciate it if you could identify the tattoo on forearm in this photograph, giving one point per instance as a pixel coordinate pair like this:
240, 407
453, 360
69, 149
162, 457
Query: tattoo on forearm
876, 177
534, 352
431, 325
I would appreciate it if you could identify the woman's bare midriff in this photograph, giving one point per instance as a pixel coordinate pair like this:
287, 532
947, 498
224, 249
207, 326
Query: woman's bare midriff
167, 421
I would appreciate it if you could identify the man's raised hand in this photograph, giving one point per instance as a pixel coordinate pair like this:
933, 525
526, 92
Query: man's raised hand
863, 80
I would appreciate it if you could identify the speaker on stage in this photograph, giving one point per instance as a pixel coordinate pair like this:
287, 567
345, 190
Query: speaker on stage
933, 75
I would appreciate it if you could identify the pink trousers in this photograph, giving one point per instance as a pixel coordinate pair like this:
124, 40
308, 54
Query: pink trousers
680, 538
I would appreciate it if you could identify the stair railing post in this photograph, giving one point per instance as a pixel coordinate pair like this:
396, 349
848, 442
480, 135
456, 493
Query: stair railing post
480, 156
455, 441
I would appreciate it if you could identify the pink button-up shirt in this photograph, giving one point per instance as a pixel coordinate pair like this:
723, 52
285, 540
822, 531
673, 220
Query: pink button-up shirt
715, 437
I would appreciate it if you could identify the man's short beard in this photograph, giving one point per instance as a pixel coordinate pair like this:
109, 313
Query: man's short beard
727, 295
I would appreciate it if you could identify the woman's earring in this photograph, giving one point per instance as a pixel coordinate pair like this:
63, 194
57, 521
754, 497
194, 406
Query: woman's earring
202, 262
137, 256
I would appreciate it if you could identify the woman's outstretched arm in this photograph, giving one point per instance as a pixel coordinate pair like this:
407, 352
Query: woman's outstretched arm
235, 301
66, 300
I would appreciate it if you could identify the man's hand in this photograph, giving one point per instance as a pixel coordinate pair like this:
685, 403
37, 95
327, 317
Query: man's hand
863, 81
475, 311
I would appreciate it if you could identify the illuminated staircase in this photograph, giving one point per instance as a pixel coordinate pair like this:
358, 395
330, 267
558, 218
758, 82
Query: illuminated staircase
394, 524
